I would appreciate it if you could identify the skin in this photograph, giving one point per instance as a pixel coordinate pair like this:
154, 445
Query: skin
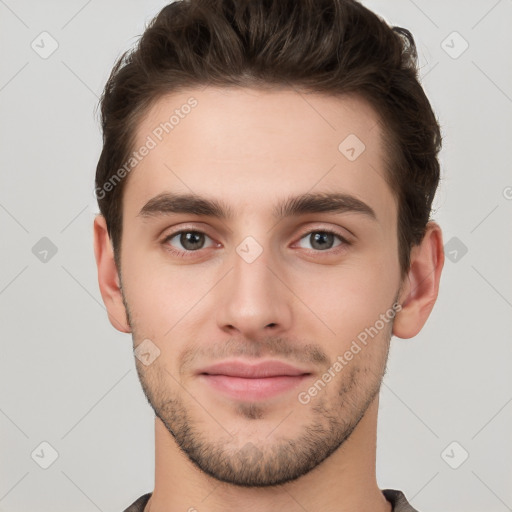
296, 302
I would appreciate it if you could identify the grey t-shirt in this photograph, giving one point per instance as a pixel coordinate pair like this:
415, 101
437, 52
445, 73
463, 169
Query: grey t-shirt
396, 498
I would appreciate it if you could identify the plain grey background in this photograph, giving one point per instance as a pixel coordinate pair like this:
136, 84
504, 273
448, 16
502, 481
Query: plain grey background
68, 379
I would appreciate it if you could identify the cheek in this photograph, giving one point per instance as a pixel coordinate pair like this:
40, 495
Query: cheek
163, 298
342, 303
336, 301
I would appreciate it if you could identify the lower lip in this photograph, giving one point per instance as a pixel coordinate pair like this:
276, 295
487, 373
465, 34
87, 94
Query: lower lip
253, 389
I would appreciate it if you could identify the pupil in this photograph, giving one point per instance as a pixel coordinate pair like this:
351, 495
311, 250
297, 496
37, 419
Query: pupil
190, 238
321, 236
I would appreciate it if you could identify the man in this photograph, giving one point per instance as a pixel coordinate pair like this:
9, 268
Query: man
265, 188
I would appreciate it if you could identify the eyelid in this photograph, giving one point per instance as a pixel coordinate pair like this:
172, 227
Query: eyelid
303, 232
337, 231
345, 241
188, 229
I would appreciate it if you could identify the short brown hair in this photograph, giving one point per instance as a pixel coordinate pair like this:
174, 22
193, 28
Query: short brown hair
333, 47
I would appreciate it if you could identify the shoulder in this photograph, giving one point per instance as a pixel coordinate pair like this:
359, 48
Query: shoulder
139, 504
398, 500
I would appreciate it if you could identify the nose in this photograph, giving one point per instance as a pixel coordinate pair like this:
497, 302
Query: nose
254, 300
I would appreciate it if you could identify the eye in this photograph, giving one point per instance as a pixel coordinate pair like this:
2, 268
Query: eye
323, 239
190, 240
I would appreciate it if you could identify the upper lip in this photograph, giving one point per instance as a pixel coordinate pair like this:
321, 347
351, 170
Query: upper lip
260, 370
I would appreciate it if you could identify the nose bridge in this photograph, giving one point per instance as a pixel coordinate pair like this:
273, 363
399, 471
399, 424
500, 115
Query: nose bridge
251, 274
253, 297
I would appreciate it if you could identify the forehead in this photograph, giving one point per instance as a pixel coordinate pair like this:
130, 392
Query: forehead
251, 146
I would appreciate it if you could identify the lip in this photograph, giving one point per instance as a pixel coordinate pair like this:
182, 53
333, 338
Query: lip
244, 381
264, 369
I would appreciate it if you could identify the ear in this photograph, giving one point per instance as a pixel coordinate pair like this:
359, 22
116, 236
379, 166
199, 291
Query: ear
108, 277
421, 285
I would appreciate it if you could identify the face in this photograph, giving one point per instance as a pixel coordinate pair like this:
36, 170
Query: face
249, 275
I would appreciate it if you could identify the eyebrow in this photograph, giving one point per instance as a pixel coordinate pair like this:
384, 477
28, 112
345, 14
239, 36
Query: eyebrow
168, 203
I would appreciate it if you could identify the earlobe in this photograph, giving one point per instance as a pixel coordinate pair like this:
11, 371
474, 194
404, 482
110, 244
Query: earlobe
108, 277
421, 287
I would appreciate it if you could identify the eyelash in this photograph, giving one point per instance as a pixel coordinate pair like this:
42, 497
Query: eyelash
185, 254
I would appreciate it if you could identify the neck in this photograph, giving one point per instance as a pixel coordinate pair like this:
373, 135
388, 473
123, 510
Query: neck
344, 482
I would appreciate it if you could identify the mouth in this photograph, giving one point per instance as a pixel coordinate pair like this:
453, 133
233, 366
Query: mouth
243, 381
